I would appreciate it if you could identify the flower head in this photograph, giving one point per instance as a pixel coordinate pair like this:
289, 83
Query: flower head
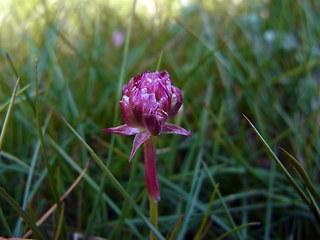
148, 102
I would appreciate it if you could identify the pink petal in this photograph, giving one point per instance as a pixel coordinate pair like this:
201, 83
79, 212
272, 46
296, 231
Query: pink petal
150, 169
140, 138
153, 123
127, 114
174, 129
122, 130
176, 101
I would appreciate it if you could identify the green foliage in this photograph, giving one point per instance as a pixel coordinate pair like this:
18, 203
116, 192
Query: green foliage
258, 58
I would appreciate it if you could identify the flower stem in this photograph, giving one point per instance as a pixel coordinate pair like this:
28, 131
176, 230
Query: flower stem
149, 148
153, 216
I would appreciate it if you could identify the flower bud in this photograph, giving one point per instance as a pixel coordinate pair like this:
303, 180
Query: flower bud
149, 100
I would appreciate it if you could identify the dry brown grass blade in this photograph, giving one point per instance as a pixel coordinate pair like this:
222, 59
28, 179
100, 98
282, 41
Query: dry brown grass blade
54, 207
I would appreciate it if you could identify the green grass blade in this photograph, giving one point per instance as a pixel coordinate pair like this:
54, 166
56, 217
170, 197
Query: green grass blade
12, 65
8, 114
17, 76
4, 105
269, 207
27, 195
314, 205
51, 172
236, 229
206, 216
222, 199
159, 61
14, 159
114, 181
126, 208
96, 202
60, 224
278, 162
175, 231
197, 177
302, 173
4, 224
232, 145
21, 213
125, 57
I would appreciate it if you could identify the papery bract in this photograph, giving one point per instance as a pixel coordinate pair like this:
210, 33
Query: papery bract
148, 102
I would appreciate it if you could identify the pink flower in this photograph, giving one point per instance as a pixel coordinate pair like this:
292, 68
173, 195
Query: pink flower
148, 102
117, 39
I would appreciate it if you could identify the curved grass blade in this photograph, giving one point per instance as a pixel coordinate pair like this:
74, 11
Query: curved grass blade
302, 173
237, 229
14, 159
278, 162
60, 223
222, 199
314, 205
114, 181
204, 222
305, 180
159, 61
22, 214
12, 65
27, 196
17, 76
8, 114
4, 223
176, 229
4, 105
51, 173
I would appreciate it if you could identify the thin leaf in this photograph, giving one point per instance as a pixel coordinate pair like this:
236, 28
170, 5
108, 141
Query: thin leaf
314, 204
60, 223
5, 224
27, 195
236, 229
12, 65
302, 172
14, 159
3, 106
176, 229
278, 162
206, 216
51, 173
159, 61
22, 213
8, 114
222, 199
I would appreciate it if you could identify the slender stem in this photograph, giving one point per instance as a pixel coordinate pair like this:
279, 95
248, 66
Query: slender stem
153, 216
149, 148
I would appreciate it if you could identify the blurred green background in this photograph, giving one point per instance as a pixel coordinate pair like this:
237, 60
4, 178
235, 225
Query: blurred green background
258, 58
